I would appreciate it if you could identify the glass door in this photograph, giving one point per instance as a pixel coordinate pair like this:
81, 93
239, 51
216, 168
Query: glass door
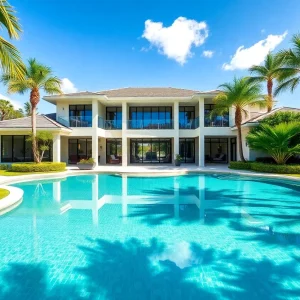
187, 150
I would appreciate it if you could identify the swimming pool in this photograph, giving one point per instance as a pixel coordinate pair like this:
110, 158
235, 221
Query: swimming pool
184, 237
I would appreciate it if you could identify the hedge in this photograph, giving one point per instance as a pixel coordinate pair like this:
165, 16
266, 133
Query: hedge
266, 168
41, 167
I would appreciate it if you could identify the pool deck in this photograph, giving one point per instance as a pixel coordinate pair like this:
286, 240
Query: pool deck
146, 170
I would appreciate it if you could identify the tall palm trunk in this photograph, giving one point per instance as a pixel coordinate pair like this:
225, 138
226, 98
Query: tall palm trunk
238, 123
34, 100
270, 95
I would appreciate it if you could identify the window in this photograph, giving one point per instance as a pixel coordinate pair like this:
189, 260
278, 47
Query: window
113, 118
150, 151
15, 148
216, 150
80, 115
215, 121
157, 117
187, 117
187, 150
114, 151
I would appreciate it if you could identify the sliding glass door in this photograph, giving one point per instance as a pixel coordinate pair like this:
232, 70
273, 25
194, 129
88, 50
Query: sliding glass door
216, 150
150, 151
114, 151
79, 149
187, 150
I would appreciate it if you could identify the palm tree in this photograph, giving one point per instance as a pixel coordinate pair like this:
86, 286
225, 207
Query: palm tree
289, 77
6, 108
37, 77
27, 109
269, 71
276, 140
10, 59
239, 95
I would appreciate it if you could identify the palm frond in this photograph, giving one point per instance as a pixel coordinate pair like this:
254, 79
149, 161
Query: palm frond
52, 86
289, 84
9, 20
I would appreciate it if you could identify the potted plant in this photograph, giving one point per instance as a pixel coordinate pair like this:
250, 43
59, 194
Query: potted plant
86, 164
178, 160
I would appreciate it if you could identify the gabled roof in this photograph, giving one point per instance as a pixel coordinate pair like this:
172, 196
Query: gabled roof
42, 121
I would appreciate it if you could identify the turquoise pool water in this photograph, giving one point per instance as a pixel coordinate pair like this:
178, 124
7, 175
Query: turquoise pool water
184, 237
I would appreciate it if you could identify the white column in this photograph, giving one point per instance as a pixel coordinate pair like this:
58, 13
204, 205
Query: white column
95, 149
56, 191
56, 148
95, 113
201, 133
176, 129
124, 135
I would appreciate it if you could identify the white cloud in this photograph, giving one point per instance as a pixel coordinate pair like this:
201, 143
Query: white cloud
15, 103
176, 40
244, 58
67, 86
208, 53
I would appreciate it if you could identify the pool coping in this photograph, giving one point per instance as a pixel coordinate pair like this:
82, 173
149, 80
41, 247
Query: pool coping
147, 173
12, 200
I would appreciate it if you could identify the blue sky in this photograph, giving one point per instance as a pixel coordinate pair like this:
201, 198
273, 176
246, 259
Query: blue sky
98, 45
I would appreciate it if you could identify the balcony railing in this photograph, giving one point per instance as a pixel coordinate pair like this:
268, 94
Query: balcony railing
191, 124
217, 121
150, 124
109, 124
84, 121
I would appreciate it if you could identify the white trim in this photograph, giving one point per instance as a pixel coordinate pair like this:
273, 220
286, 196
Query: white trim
11, 201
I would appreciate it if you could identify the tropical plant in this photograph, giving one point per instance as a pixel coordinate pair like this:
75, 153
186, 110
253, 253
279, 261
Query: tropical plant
239, 94
6, 108
268, 72
37, 77
289, 77
16, 113
10, 59
276, 141
44, 140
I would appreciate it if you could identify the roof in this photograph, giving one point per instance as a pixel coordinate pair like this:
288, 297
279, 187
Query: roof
148, 92
42, 121
272, 112
140, 92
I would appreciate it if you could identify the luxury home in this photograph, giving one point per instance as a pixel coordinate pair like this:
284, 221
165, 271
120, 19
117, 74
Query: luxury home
133, 126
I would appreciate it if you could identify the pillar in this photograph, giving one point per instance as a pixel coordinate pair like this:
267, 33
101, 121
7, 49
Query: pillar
56, 148
95, 145
201, 133
176, 129
124, 135
95, 113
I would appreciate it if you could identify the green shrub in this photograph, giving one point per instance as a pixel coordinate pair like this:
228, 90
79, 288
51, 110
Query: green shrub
265, 168
239, 165
4, 167
87, 161
41, 167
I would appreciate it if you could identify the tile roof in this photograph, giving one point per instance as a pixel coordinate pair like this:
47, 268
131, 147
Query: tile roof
42, 121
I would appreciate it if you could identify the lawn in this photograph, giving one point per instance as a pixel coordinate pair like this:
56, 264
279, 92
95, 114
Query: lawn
9, 173
3, 193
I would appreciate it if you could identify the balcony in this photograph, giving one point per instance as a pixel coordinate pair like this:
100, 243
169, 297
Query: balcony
109, 124
191, 124
150, 124
216, 121
84, 121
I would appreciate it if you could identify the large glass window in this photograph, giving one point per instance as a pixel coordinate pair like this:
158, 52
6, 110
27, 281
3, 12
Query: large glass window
16, 148
79, 149
113, 118
187, 150
114, 151
187, 117
150, 151
80, 115
216, 150
215, 121
157, 117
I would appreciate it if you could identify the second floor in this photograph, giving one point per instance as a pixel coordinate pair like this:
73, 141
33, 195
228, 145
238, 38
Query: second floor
142, 109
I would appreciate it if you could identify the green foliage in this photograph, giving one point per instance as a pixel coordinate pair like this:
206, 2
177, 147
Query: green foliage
41, 167
4, 167
276, 141
87, 161
178, 158
265, 168
44, 139
281, 117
